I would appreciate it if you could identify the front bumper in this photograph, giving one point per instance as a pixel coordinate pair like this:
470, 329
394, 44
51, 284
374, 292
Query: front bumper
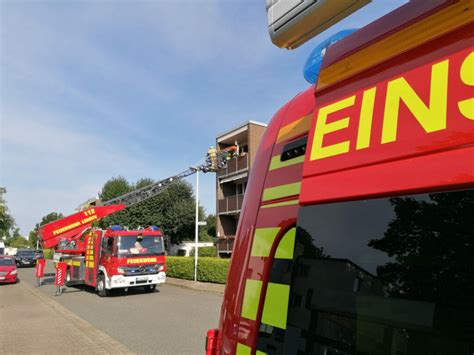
121, 281
6, 279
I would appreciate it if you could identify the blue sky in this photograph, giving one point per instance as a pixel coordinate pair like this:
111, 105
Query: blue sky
96, 89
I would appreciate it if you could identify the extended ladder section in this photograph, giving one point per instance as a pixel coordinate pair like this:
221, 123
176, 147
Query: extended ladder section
66, 232
139, 195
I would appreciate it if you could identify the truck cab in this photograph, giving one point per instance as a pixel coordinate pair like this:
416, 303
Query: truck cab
132, 258
356, 235
118, 258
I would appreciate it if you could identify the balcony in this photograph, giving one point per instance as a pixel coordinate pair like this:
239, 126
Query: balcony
234, 166
230, 205
225, 244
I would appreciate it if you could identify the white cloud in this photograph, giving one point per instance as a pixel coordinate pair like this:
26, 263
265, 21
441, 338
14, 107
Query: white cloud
47, 167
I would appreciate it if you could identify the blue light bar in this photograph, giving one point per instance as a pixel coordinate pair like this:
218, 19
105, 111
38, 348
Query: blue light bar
315, 59
116, 228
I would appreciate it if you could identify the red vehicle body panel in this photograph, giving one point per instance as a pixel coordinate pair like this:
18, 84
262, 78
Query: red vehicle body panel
419, 159
94, 258
70, 226
111, 263
92, 243
5, 272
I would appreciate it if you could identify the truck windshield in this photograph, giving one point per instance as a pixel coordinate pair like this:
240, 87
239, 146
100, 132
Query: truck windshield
132, 245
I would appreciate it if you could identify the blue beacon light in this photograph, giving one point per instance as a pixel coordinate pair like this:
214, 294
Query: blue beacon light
315, 59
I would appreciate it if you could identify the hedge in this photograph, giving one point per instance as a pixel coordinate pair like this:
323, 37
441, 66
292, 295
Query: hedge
48, 253
205, 252
209, 269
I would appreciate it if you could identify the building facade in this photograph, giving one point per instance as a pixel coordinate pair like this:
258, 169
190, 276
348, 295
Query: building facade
231, 182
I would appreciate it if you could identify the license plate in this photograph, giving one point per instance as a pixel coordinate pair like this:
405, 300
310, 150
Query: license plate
143, 278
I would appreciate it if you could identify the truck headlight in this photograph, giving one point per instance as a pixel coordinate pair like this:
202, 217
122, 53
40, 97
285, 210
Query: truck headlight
120, 270
161, 267
13, 272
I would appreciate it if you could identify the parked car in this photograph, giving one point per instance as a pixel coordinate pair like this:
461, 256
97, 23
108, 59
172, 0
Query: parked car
8, 271
39, 254
25, 258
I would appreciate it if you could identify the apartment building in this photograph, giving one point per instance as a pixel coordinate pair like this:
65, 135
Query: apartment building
231, 181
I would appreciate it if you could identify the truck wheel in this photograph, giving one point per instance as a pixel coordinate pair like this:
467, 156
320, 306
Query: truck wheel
150, 288
101, 290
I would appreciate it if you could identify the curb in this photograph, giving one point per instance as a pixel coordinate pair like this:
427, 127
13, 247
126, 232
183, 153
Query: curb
98, 340
196, 285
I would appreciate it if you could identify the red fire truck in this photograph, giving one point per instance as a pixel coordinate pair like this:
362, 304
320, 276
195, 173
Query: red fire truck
357, 231
115, 257
106, 259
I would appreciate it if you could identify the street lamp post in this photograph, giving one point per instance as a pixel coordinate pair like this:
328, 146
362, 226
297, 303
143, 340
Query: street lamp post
196, 230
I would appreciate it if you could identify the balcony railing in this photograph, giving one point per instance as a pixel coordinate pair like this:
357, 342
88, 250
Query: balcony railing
225, 244
234, 166
231, 204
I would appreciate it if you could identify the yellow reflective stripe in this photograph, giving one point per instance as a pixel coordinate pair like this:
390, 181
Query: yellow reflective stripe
275, 310
448, 19
287, 245
281, 191
279, 204
263, 241
243, 349
252, 292
276, 162
294, 128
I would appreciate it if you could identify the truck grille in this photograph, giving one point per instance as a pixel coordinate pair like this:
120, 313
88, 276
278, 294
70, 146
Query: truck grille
140, 270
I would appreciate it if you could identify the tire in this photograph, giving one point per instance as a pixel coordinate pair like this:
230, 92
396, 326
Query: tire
150, 288
100, 288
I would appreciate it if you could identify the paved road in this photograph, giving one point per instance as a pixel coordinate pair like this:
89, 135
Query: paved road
173, 320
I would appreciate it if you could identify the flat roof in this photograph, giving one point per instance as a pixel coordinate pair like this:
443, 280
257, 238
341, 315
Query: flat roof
241, 126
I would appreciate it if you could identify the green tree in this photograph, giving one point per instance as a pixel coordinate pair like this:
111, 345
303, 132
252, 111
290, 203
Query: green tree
7, 223
17, 241
173, 210
50, 217
211, 225
143, 182
430, 242
115, 187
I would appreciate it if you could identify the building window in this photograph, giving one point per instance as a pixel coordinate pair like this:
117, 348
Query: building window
240, 189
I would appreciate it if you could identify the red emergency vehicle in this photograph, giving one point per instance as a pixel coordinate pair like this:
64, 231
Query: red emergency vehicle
106, 259
357, 231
